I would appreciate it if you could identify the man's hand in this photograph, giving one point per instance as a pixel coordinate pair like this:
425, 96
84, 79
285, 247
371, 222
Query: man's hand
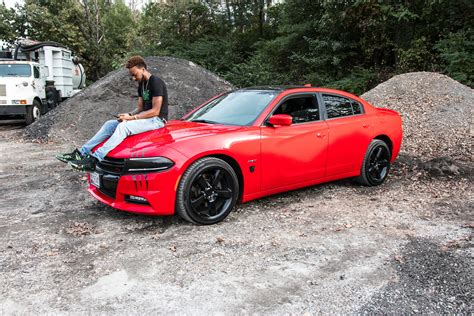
125, 117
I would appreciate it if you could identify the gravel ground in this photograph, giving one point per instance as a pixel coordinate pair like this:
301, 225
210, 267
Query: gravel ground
431, 279
334, 248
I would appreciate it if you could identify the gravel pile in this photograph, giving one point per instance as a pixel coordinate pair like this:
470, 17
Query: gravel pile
77, 119
436, 113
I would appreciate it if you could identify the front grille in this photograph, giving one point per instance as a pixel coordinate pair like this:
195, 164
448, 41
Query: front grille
112, 165
110, 170
109, 184
3, 90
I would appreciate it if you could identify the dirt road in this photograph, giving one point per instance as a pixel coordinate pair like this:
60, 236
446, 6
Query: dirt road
335, 248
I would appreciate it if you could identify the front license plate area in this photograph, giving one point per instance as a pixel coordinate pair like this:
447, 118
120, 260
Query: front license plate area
95, 179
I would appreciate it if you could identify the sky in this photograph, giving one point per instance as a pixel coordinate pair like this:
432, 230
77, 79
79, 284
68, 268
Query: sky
11, 3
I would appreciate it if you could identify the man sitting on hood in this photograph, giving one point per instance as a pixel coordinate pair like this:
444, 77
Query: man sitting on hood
151, 114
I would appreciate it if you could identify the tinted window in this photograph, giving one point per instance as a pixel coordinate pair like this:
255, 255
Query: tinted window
337, 106
356, 107
303, 109
15, 70
241, 107
36, 72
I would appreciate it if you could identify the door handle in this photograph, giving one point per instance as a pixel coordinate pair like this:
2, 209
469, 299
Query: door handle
366, 125
320, 135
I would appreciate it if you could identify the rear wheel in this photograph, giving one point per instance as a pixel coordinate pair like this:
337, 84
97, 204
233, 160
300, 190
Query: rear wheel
207, 192
376, 164
51, 97
33, 112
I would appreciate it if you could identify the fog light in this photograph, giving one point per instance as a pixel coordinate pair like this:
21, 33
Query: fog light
136, 199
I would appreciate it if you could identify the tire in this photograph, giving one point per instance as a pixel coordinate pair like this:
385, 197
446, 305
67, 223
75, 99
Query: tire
376, 164
33, 112
207, 191
51, 99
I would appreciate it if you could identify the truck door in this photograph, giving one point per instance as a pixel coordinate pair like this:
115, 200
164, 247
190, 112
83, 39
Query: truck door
39, 83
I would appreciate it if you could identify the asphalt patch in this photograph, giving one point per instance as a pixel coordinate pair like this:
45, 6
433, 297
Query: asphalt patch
432, 278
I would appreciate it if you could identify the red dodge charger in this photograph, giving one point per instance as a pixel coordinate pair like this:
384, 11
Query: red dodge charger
246, 144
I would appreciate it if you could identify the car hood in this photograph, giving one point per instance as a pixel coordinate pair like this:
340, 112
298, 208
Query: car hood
173, 132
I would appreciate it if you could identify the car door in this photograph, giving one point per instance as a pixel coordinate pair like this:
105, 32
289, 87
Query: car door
349, 133
296, 153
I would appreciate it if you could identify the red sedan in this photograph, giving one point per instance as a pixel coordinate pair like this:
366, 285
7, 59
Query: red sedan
246, 144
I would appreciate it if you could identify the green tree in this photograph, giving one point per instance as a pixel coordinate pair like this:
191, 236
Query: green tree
7, 18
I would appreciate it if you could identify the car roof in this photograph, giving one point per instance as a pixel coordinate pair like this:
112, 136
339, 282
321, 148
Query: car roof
300, 88
277, 88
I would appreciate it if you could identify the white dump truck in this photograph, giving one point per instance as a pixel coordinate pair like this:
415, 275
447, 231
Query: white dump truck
35, 76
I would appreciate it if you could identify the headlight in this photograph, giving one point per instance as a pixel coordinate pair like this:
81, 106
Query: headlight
151, 164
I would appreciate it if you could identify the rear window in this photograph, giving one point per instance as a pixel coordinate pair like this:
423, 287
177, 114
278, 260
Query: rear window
338, 106
15, 70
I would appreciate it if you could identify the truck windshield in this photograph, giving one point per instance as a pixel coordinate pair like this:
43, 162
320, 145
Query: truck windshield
15, 70
241, 107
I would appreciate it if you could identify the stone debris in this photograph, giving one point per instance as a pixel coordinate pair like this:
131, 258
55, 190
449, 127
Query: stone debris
436, 114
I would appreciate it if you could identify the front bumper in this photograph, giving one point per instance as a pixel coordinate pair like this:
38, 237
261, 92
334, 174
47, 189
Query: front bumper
12, 109
158, 188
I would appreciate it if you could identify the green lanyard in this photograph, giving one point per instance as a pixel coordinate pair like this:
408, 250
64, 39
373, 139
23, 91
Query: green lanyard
145, 91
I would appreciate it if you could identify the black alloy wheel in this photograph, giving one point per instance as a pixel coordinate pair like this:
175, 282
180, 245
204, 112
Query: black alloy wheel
207, 191
376, 164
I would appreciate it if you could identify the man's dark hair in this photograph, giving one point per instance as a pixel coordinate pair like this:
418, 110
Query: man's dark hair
135, 61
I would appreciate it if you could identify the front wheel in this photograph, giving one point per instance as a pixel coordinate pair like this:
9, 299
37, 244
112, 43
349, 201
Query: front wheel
376, 164
207, 191
33, 112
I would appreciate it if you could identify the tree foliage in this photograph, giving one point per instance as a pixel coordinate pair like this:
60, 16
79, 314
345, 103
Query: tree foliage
351, 45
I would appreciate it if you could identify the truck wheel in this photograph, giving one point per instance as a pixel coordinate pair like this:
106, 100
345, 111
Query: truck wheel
33, 112
52, 100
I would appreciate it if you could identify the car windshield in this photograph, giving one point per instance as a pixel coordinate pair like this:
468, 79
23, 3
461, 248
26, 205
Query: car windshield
15, 70
241, 107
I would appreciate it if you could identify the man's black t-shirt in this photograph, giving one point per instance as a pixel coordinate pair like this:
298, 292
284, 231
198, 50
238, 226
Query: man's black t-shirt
153, 87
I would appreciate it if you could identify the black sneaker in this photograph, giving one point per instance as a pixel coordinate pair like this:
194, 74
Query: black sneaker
85, 164
67, 157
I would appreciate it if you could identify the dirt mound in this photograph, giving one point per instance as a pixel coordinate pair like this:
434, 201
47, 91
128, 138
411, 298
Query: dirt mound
436, 113
79, 118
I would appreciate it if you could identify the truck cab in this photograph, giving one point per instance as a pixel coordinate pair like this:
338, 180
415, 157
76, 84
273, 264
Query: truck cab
22, 89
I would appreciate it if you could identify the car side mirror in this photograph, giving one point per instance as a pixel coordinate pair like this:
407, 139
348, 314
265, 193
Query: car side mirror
280, 119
